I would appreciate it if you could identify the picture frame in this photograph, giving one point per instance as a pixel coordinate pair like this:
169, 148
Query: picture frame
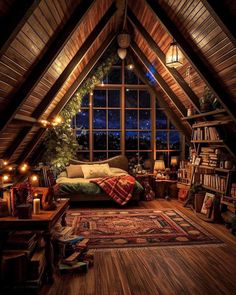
197, 161
207, 204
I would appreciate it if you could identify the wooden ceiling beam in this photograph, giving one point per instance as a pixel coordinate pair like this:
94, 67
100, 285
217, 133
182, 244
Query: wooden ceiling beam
85, 72
44, 104
12, 23
197, 62
83, 75
56, 45
162, 83
171, 114
176, 76
222, 17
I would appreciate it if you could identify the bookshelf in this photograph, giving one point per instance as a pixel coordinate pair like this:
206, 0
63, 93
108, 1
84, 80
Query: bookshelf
211, 167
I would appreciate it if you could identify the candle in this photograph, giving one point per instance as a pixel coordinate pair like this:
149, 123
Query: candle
36, 206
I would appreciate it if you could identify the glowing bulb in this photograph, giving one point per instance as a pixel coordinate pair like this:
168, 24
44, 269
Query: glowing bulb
10, 168
34, 177
79, 110
5, 177
23, 167
58, 120
130, 66
102, 83
5, 162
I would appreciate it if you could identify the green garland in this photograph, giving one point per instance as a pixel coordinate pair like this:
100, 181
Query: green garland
60, 142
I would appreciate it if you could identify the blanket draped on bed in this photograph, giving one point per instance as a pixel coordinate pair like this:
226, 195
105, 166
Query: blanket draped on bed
119, 188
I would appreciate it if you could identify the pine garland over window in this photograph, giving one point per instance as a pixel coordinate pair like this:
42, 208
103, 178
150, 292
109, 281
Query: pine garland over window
60, 142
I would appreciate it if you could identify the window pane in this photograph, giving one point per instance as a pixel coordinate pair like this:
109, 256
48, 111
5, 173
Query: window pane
99, 98
144, 99
100, 140
131, 140
161, 120
73, 122
131, 119
82, 156
130, 77
114, 98
99, 119
99, 156
83, 139
131, 98
114, 140
172, 126
161, 140
114, 119
174, 140
144, 140
85, 101
145, 156
144, 120
82, 119
114, 76
113, 154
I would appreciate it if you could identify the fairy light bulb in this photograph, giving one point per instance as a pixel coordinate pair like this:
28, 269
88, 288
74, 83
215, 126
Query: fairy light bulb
5, 177
34, 177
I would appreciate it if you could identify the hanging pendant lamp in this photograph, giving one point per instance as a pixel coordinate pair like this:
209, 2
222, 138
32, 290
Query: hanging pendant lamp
174, 56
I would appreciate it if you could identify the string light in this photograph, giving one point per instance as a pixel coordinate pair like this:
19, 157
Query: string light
5, 177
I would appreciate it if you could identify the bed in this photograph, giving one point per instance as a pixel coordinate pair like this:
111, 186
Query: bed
73, 183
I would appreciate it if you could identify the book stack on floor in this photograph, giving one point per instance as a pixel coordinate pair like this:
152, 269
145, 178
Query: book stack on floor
74, 252
22, 261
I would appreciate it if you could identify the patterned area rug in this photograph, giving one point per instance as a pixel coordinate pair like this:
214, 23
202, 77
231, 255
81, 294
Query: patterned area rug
138, 228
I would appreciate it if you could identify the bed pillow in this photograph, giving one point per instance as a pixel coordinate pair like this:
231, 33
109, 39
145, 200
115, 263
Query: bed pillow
96, 170
62, 174
74, 171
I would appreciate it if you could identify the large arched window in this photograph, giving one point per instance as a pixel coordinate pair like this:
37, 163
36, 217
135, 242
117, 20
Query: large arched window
122, 117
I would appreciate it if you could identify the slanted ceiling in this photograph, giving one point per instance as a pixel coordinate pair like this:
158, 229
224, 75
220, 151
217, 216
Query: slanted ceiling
48, 47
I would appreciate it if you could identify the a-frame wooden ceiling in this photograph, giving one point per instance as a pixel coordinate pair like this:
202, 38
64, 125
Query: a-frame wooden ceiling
48, 48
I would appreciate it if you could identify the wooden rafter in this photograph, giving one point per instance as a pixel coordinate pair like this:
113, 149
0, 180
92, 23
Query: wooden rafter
11, 24
85, 72
176, 76
200, 66
74, 62
165, 87
41, 67
224, 20
174, 118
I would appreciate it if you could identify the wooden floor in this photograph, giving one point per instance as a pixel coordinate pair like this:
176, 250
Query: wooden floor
191, 270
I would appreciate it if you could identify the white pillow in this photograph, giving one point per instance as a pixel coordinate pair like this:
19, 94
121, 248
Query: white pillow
117, 171
62, 174
96, 170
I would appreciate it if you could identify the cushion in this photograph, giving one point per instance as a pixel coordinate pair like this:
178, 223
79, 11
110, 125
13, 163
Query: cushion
62, 174
74, 171
96, 170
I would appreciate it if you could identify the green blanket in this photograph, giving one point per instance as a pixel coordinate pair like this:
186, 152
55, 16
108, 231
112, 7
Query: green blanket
86, 188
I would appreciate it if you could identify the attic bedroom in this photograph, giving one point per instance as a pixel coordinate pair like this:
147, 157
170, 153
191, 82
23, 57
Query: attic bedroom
117, 147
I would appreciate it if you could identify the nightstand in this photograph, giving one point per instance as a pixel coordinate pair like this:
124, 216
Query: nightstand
147, 181
165, 188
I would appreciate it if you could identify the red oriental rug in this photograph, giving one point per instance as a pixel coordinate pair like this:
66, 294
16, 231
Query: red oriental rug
138, 228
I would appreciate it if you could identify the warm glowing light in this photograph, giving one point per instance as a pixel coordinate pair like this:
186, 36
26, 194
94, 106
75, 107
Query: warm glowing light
5, 163
10, 168
174, 57
130, 66
79, 110
23, 167
58, 120
5, 177
45, 123
102, 83
34, 177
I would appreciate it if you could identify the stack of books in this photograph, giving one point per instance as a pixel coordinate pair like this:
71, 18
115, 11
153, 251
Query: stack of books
233, 190
209, 157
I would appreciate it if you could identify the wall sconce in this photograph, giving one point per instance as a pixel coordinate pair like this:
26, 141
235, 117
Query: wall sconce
174, 56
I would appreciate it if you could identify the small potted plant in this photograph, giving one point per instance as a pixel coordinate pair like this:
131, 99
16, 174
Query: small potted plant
206, 100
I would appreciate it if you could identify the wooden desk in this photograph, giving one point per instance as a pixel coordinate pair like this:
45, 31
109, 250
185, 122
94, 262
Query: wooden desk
44, 221
166, 183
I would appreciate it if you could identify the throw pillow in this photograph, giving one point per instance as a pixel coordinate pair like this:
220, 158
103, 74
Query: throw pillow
96, 170
74, 171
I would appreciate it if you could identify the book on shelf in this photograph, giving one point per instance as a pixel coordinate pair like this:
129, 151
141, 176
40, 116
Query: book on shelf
205, 133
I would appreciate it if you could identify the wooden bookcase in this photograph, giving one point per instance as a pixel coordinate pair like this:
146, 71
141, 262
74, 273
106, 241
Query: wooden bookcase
207, 165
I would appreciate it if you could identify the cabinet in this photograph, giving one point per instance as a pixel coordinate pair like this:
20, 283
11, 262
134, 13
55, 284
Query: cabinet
212, 162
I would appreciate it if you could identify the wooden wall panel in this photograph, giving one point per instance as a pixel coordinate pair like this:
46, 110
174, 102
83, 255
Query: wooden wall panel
63, 59
207, 38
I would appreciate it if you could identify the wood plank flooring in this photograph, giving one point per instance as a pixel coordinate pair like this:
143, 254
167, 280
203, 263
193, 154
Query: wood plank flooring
187, 270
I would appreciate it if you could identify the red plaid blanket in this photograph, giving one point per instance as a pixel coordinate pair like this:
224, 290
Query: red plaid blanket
119, 188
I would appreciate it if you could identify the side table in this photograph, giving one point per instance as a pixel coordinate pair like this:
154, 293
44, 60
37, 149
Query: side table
166, 183
146, 180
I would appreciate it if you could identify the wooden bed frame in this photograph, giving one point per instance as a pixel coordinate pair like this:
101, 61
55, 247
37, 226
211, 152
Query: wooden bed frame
117, 162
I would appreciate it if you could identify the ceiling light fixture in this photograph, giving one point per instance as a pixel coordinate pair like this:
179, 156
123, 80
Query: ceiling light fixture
123, 39
174, 56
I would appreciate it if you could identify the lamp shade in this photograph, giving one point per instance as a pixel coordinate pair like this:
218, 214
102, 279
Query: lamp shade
159, 165
174, 161
122, 53
174, 57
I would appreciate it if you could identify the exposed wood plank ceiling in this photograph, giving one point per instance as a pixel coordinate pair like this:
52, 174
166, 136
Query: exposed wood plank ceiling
49, 47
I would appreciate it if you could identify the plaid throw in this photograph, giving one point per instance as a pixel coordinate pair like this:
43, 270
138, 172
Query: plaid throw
119, 188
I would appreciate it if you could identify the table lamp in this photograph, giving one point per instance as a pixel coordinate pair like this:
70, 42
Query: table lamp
173, 164
159, 166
